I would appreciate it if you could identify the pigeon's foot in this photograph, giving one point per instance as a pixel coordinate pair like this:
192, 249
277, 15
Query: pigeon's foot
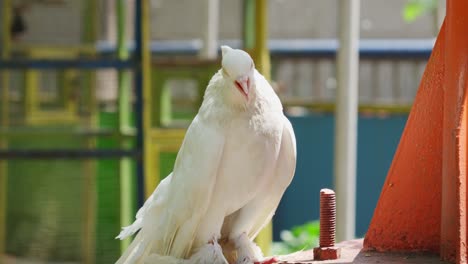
209, 253
247, 251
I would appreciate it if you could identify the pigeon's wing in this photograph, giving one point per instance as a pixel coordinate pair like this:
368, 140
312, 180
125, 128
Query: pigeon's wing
169, 218
284, 172
191, 186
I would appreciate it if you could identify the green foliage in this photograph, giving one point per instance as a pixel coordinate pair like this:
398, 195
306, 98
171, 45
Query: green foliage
416, 8
301, 237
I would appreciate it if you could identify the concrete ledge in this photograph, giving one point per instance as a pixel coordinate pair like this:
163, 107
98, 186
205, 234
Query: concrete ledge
351, 252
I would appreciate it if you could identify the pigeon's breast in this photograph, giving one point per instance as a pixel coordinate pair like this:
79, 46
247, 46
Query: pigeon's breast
248, 161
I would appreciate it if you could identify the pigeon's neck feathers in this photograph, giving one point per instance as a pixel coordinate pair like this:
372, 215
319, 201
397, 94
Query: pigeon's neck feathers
216, 98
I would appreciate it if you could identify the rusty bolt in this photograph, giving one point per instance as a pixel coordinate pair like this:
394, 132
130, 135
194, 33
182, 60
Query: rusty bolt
327, 249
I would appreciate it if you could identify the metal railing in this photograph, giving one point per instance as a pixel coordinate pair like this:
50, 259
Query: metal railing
305, 75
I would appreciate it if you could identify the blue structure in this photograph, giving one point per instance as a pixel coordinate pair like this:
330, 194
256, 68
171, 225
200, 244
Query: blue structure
378, 138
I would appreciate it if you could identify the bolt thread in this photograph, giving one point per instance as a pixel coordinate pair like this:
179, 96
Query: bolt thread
327, 218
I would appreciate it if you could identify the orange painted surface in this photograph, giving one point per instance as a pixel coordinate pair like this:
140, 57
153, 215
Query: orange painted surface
453, 229
407, 217
422, 206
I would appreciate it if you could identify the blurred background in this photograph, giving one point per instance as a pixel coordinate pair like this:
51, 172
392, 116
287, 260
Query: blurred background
73, 75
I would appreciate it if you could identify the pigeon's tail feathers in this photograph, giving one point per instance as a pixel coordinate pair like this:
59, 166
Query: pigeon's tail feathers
150, 222
150, 209
144, 241
135, 253
131, 229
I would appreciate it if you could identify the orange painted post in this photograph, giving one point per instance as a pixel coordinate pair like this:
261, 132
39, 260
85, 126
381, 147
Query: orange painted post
453, 229
422, 206
407, 217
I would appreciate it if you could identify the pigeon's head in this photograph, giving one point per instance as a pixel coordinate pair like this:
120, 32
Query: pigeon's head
238, 69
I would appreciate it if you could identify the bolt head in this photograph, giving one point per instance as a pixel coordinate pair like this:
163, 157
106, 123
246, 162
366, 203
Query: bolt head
326, 253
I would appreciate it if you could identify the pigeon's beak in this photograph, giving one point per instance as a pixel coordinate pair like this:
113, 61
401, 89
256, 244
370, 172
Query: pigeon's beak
243, 85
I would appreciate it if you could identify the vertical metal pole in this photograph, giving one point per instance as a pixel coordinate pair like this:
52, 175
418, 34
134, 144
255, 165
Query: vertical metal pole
261, 53
210, 34
261, 57
139, 103
4, 111
346, 118
89, 35
142, 92
124, 111
248, 27
6, 45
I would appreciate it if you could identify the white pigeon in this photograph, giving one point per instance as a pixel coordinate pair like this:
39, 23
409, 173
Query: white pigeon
237, 159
